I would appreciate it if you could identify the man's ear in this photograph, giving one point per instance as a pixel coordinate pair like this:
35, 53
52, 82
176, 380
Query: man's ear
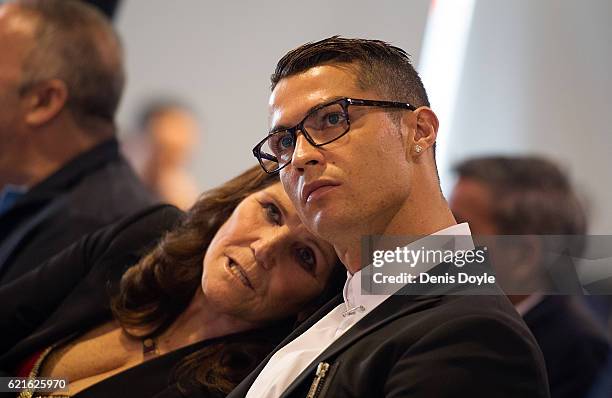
426, 130
44, 101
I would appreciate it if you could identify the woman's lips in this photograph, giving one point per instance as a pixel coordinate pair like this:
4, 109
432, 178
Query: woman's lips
237, 271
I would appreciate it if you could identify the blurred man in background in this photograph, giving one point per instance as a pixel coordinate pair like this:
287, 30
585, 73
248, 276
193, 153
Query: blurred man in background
168, 132
531, 196
61, 174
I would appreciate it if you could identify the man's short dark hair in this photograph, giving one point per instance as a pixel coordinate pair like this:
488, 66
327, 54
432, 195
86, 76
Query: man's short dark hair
377, 66
380, 66
76, 43
531, 195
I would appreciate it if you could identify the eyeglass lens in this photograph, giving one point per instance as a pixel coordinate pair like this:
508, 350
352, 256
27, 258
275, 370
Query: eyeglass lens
322, 126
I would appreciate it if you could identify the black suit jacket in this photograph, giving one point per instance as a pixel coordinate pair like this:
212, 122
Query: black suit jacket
70, 292
95, 189
575, 347
427, 346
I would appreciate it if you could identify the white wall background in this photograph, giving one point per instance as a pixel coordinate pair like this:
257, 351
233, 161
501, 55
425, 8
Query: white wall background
219, 57
537, 79
536, 76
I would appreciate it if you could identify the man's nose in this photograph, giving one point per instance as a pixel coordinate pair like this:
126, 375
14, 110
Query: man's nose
305, 154
268, 248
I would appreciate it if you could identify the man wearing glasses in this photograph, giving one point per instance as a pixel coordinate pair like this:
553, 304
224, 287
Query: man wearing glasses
352, 137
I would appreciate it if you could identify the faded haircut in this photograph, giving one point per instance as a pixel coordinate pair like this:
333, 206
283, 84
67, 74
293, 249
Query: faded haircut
381, 66
377, 66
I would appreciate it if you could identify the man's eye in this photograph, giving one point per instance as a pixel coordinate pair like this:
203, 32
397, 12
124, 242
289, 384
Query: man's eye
281, 143
333, 118
306, 258
286, 142
273, 213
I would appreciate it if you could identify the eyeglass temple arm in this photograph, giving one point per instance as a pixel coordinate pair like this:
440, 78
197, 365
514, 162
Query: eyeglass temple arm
267, 156
382, 104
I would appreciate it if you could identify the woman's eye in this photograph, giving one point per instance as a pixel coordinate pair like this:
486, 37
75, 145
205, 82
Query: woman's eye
273, 213
307, 258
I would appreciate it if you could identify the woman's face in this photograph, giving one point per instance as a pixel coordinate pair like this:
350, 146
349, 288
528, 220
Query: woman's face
263, 264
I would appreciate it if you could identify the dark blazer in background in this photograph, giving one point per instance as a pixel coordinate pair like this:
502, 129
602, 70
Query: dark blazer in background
93, 190
426, 346
575, 347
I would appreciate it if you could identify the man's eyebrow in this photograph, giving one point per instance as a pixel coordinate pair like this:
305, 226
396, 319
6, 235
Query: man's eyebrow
278, 128
312, 108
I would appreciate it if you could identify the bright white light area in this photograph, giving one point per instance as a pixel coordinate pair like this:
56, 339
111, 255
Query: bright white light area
441, 63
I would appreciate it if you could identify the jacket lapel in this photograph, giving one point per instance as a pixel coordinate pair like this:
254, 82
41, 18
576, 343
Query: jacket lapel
409, 300
391, 309
242, 389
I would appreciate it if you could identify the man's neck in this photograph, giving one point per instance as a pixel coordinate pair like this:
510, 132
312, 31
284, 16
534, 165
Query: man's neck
10, 178
423, 213
33, 170
34, 160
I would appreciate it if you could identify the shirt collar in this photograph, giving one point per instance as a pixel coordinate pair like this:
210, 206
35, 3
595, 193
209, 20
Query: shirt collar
81, 165
352, 294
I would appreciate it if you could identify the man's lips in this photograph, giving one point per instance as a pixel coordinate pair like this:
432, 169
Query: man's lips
236, 270
315, 186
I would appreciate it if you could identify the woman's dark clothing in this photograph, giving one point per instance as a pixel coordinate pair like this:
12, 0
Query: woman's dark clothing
155, 377
70, 294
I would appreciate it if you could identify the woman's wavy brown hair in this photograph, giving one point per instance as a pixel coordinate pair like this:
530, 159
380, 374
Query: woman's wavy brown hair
154, 292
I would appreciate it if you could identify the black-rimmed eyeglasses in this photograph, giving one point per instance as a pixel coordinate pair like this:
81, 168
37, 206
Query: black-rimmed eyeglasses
323, 124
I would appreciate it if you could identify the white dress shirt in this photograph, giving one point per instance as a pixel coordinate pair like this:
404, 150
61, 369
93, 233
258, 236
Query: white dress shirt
291, 360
